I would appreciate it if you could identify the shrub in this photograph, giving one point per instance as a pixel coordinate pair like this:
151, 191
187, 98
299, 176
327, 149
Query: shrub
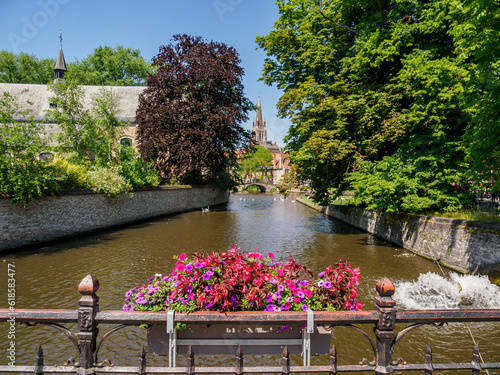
26, 179
70, 175
108, 181
138, 172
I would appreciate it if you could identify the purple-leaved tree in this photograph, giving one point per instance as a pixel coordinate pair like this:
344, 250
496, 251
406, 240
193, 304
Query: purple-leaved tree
189, 116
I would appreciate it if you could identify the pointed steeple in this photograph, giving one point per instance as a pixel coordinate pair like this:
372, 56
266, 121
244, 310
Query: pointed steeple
259, 127
60, 67
259, 121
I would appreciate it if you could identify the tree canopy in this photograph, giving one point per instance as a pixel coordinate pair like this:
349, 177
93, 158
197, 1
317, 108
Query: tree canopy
378, 89
106, 66
256, 159
188, 119
25, 68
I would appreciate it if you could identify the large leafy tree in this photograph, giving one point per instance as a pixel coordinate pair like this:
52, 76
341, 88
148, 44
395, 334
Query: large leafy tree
25, 68
257, 159
117, 66
368, 80
188, 119
476, 34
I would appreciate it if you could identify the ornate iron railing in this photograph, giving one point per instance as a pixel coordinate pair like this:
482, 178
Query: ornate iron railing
384, 317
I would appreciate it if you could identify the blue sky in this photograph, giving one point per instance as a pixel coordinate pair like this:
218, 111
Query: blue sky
32, 26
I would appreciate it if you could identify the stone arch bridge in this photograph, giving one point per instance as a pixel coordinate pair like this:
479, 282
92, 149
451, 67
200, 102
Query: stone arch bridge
264, 187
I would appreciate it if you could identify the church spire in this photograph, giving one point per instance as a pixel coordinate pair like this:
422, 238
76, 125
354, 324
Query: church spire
259, 127
60, 67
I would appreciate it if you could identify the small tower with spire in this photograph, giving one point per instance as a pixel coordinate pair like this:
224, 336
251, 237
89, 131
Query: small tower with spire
60, 67
259, 127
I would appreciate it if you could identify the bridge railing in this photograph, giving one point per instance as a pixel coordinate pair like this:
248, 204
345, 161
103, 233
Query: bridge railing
384, 318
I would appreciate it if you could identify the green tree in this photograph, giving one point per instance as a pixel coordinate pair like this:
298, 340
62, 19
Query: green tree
88, 133
257, 159
117, 66
188, 119
25, 68
22, 175
476, 32
367, 80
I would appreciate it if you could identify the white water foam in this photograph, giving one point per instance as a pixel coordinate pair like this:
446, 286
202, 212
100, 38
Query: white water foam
432, 291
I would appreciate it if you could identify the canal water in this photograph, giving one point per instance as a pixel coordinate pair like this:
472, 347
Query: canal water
47, 276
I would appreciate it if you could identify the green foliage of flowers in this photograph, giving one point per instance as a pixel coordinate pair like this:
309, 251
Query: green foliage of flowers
239, 281
108, 181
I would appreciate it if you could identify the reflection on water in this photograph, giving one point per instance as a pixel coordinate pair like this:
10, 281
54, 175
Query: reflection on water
48, 276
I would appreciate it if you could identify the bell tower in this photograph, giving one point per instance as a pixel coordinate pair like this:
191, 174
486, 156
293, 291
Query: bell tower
60, 67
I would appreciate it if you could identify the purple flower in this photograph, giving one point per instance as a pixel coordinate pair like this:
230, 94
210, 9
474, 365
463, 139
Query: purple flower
208, 305
207, 275
198, 265
328, 284
269, 298
320, 283
234, 297
151, 278
129, 293
304, 307
277, 308
207, 288
126, 307
278, 295
140, 301
301, 295
189, 288
167, 303
321, 274
269, 307
285, 327
189, 267
303, 283
289, 299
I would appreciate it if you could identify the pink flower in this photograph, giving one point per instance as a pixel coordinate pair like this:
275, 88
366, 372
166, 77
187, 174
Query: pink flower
271, 255
182, 256
309, 293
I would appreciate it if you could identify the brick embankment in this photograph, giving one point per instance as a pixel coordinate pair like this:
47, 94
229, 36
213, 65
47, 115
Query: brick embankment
81, 211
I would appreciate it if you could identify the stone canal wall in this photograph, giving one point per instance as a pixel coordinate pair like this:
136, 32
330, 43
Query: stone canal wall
80, 211
466, 246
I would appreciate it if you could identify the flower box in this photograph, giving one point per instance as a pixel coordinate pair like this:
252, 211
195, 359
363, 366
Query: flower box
225, 339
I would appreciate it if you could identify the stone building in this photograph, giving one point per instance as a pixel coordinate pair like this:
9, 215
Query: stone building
35, 98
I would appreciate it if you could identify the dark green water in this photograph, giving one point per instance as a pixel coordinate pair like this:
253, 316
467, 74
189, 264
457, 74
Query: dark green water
48, 276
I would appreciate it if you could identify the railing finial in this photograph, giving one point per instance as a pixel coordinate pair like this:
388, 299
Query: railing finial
89, 285
385, 287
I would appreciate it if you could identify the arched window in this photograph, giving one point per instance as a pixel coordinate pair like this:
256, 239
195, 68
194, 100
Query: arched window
126, 142
46, 156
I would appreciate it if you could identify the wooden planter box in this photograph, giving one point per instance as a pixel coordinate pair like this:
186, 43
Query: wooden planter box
225, 339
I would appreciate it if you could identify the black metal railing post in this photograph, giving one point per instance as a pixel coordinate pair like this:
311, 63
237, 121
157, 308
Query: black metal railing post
384, 329
87, 324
